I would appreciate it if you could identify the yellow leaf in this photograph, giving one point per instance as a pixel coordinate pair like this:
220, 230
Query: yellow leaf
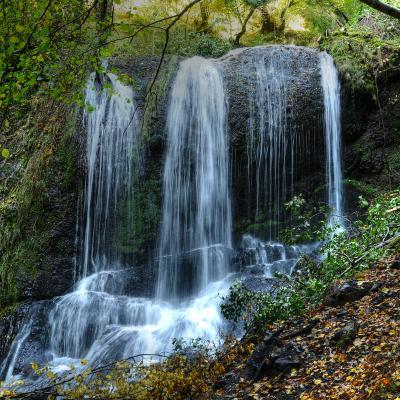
317, 381
84, 361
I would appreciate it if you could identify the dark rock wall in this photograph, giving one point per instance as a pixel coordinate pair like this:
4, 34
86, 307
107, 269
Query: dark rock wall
304, 113
38, 206
372, 136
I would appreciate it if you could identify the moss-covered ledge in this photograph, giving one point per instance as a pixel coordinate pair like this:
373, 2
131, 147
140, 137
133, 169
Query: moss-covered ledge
38, 199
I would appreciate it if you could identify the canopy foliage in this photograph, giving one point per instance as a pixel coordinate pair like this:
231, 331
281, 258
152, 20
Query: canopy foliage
48, 46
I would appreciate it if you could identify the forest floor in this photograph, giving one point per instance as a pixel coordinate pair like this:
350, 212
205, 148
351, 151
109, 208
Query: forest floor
347, 351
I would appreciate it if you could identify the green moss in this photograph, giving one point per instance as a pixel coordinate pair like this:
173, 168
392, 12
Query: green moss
393, 159
361, 56
43, 159
260, 226
157, 97
361, 186
67, 151
139, 219
8, 310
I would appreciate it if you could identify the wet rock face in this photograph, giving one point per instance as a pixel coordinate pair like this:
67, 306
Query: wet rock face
55, 271
41, 257
9, 328
296, 72
371, 134
28, 321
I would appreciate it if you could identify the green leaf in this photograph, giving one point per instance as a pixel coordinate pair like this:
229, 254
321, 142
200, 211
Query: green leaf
5, 153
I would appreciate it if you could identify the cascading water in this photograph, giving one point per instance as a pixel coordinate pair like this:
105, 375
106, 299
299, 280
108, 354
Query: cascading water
332, 121
271, 257
196, 222
277, 151
99, 320
112, 157
268, 138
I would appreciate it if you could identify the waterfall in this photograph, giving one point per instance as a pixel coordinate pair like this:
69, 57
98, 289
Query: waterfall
196, 221
79, 319
99, 320
277, 152
267, 142
111, 152
332, 122
103, 319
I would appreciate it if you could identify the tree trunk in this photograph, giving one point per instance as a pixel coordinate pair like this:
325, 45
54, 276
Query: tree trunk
205, 16
268, 24
104, 8
244, 27
282, 17
384, 8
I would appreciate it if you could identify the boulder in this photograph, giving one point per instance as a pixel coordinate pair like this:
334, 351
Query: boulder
339, 294
270, 358
344, 337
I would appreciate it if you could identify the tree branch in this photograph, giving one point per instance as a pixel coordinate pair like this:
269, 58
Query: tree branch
384, 8
36, 26
244, 26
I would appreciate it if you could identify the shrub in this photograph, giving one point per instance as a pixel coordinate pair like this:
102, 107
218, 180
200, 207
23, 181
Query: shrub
365, 242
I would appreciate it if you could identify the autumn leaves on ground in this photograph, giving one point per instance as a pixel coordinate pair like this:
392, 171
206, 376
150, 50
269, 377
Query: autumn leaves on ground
349, 349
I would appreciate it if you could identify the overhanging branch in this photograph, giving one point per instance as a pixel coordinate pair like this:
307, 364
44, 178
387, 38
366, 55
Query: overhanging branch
384, 8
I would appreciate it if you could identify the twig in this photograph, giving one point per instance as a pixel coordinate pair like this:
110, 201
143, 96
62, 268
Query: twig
51, 388
359, 259
306, 329
36, 26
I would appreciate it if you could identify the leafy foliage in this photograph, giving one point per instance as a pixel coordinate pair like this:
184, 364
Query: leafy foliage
364, 243
45, 46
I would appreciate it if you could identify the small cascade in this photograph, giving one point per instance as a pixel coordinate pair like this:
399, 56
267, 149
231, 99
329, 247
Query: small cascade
268, 139
196, 223
270, 258
7, 369
112, 159
332, 122
278, 151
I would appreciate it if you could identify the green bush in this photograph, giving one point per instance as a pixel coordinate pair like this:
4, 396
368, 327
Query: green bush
362, 244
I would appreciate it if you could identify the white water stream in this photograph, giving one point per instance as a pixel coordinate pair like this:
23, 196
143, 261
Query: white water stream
98, 320
333, 132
